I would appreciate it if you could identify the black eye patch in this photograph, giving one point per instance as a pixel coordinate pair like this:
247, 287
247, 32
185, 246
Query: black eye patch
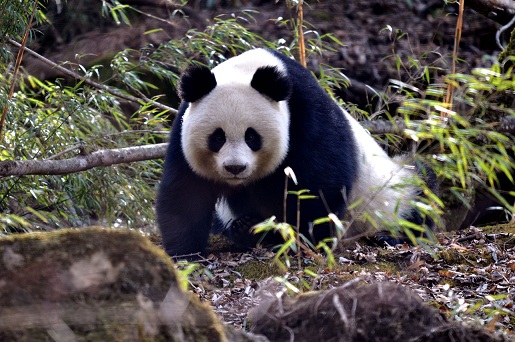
253, 139
216, 140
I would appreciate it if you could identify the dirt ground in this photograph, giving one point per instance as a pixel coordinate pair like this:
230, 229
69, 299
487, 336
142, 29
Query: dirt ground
469, 276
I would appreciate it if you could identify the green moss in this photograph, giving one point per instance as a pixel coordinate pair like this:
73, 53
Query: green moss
378, 266
461, 256
64, 245
509, 50
219, 243
500, 228
259, 269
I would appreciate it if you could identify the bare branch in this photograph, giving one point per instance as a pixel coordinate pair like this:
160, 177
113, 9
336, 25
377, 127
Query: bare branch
384, 126
82, 162
91, 83
501, 11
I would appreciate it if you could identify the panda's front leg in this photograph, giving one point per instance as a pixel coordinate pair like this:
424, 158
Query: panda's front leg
184, 212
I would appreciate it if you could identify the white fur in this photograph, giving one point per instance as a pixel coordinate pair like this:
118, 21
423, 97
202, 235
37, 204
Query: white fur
234, 106
381, 183
241, 69
223, 211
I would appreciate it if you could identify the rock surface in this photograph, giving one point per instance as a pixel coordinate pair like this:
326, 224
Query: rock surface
97, 285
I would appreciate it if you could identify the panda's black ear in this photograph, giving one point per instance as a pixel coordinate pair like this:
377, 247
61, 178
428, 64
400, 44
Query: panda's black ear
271, 82
196, 82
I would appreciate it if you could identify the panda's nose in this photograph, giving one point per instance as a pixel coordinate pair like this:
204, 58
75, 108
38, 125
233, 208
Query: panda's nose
235, 169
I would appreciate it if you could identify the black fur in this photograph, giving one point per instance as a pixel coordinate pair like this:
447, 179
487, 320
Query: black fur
270, 82
253, 139
216, 140
196, 82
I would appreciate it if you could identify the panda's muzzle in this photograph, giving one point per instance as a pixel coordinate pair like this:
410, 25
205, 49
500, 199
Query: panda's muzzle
235, 169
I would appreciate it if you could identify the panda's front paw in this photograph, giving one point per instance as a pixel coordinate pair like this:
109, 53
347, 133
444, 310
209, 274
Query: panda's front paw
386, 238
240, 231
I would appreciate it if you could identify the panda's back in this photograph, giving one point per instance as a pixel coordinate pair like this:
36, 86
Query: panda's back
323, 151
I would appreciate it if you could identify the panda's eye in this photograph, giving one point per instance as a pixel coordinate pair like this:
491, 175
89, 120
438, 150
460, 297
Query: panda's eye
253, 139
216, 140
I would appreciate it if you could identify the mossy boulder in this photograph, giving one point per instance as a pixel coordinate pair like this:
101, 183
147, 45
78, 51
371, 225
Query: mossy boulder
97, 284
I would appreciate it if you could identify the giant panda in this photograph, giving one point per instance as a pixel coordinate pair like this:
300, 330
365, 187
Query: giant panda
239, 126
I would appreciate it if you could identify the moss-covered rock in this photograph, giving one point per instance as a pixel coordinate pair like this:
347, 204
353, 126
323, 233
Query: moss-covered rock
97, 285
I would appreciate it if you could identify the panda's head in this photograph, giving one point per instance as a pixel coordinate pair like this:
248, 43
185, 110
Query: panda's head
236, 127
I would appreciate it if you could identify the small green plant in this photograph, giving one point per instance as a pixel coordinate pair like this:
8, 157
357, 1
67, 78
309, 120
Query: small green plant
469, 150
185, 270
294, 240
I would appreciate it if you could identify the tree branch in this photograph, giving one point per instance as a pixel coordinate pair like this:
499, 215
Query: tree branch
91, 83
501, 11
82, 162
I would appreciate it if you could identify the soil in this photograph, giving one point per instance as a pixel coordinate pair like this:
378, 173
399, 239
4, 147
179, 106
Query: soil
468, 276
